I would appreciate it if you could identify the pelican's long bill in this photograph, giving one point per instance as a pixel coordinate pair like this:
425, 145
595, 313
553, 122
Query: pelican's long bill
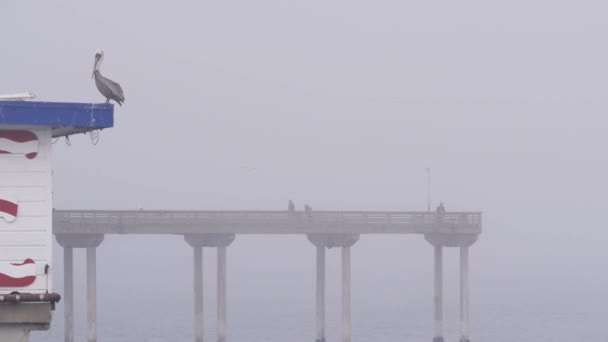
97, 59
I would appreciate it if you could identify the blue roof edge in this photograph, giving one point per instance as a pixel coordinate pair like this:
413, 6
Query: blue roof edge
65, 118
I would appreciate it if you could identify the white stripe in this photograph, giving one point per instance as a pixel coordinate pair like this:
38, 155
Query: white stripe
17, 147
18, 271
7, 217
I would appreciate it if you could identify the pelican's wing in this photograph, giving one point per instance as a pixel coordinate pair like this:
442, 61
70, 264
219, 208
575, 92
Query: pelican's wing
115, 88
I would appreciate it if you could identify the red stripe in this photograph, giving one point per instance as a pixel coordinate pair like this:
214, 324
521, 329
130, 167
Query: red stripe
30, 155
6, 281
8, 207
25, 262
18, 135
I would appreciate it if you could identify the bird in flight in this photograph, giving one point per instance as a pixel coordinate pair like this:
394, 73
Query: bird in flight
108, 88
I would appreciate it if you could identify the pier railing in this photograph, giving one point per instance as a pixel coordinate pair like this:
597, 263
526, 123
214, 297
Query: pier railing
272, 221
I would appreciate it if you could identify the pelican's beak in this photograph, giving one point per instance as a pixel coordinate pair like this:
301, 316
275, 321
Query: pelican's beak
95, 65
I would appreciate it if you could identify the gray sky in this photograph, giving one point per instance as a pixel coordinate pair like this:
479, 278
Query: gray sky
341, 104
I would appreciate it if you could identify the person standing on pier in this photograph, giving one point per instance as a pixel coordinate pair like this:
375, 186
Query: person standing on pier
440, 212
308, 212
291, 209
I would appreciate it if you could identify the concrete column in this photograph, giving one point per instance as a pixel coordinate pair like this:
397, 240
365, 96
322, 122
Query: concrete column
464, 294
346, 319
220, 241
438, 294
92, 293
68, 293
221, 294
198, 294
344, 241
69, 242
320, 335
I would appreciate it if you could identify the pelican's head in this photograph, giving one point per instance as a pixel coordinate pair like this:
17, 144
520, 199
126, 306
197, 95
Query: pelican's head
98, 59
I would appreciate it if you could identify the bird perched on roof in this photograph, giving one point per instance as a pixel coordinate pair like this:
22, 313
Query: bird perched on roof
108, 88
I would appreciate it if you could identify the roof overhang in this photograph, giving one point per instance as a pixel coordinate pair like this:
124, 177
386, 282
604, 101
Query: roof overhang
64, 118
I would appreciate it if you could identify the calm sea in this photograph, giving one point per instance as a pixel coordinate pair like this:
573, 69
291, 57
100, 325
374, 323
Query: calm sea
145, 294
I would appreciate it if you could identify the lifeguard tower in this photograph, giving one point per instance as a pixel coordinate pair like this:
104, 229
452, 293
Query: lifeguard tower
27, 130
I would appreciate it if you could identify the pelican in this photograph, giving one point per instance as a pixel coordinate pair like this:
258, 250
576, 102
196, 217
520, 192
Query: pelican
108, 88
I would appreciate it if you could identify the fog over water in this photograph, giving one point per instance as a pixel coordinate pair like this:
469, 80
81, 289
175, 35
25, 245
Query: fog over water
341, 105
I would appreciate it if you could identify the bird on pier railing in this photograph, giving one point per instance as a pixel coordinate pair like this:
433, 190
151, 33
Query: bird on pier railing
108, 88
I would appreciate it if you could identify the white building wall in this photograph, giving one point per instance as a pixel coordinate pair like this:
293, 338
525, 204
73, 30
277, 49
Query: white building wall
28, 235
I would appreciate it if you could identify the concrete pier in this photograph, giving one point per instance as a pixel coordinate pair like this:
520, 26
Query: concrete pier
321, 242
217, 229
90, 242
320, 304
438, 294
464, 294
346, 318
221, 294
92, 293
68, 293
463, 242
219, 241
198, 294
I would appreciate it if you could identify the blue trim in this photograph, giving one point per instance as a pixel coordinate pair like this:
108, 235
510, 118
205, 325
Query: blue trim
81, 117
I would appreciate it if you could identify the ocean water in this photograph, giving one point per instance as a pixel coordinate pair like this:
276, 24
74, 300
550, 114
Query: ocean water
504, 321
145, 294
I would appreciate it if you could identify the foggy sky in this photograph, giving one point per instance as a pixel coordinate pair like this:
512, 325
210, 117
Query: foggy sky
342, 105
